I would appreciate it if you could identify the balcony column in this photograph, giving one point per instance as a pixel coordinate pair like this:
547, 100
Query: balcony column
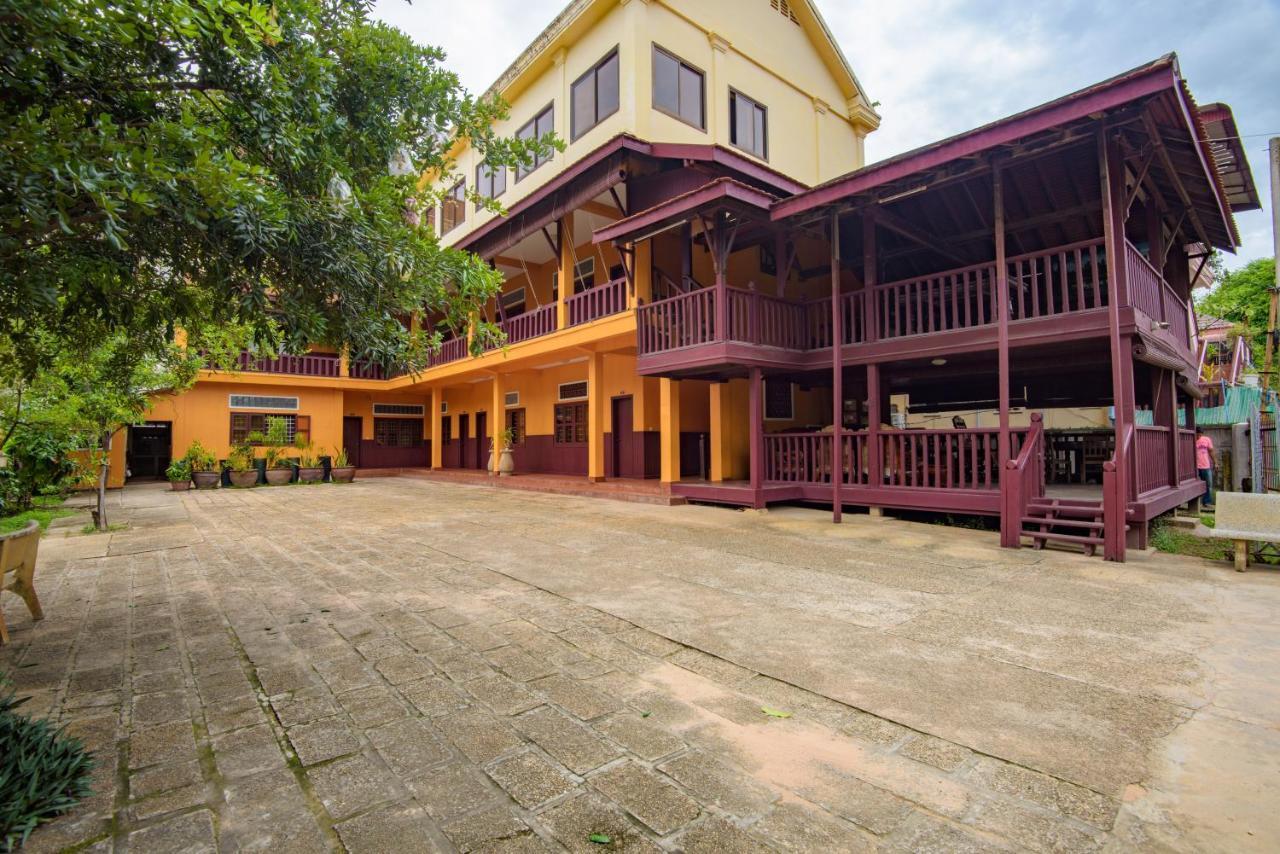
1116, 498
564, 237
595, 417
875, 416
721, 424
497, 421
642, 262
1010, 526
837, 376
344, 362
437, 428
755, 409
669, 429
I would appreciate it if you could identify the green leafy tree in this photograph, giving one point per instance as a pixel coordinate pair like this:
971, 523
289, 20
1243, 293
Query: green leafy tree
198, 163
1244, 297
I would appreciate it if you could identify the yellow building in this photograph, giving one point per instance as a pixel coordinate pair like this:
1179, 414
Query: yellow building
652, 98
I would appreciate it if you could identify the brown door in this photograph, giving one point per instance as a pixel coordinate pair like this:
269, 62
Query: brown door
625, 456
464, 438
352, 432
148, 449
482, 442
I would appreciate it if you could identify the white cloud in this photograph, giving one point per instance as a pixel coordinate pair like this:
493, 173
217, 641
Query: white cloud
939, 67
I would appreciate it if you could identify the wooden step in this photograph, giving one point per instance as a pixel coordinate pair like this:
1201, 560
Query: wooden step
1064, 538
1072, 523
1066, 512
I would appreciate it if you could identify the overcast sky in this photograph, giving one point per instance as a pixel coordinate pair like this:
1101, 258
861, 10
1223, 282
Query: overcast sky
939, 67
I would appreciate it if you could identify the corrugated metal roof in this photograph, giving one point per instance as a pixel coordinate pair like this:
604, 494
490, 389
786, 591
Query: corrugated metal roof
1241, 404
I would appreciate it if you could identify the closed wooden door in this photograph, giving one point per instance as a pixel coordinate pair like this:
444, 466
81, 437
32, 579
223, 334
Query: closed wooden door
482, 440
464, 440
625, 461
352, 432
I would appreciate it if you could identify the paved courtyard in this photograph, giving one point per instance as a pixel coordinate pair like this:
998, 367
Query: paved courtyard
406, 665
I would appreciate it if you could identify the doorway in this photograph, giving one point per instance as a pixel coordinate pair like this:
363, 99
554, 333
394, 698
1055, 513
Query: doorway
482, 421
624, 439
352, 433
464, 437
148, 450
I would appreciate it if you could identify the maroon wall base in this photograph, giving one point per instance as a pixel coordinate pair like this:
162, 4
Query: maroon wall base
644, 461
375, 456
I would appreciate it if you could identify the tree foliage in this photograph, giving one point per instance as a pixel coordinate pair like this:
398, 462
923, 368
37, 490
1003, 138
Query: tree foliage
1244, 297
186, 163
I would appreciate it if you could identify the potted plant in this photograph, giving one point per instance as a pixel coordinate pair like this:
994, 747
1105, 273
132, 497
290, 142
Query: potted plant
276, 462
204, 466
310, 469
506, 460
179, 474
340, 468
242, 468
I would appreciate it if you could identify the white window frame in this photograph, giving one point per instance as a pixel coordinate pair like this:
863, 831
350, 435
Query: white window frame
422, 410
511, 400
257, 407
560, 398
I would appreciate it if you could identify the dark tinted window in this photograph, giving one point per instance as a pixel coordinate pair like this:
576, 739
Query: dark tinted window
453, 210
678, 88
536, 128
747, 125
595, 95
491, 183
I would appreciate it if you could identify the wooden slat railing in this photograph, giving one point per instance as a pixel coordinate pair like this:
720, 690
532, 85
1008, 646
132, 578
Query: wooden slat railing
1060, 280
942, 302
532, 324
595, 303
1023, 481
768, 321
450, 351
806, 457
312, 365
966, 458
1149, 292
1186, 455
1150, 460
686, 320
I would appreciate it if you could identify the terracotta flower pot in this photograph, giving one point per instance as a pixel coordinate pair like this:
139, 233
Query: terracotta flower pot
506, 463
279, 477
310, 474
207, 479
244, 478
342, 474
180, 485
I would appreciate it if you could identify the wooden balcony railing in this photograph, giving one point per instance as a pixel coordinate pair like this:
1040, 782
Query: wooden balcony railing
1149, 292
806, 457
595, 303
768, 321
450, 351
1150, 459
686, 320
1024, 480
312, 365
1186, 455
531, 324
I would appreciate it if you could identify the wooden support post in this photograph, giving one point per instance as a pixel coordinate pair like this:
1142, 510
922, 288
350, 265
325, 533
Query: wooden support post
837, 376
595, 417
1116, 497
564, 243
1010, 516
437, 428
642, 262
875, 456
497, 422
755, 409
870, 326
669, 429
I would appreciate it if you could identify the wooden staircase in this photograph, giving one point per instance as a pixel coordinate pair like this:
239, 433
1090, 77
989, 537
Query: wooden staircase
1065, 520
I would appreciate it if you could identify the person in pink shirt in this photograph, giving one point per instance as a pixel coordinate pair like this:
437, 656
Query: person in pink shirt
1204, 464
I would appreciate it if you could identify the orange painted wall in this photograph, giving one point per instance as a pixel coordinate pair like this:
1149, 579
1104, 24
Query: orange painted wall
360, 403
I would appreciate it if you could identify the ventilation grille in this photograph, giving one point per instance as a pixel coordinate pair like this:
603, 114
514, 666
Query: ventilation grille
444, 407
253, 401
398, 409
573, 391
783, 8
512, 398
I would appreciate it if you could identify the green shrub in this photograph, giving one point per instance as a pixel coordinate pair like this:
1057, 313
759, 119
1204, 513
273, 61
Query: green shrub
179, 470
43, 774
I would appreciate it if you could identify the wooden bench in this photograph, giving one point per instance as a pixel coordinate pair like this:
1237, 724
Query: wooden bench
18, 556
1247, 518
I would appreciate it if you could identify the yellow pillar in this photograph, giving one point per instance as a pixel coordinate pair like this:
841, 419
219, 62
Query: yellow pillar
565, 232
497, 420
595, 417
669, 428
344, 362
437, 428
721, 424
643, 273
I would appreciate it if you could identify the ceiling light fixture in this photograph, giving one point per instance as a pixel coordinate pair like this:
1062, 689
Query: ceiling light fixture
938, 362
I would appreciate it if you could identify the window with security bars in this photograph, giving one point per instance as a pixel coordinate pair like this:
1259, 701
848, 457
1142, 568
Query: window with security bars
255, 401
397, 432
398, 409
571, 424
516, 424
244, 424
573, 391
779, 405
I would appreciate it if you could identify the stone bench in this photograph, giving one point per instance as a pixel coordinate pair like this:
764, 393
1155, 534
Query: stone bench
18, 556
1247, 518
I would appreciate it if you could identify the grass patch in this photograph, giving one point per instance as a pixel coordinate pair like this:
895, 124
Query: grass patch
47, 508
1179, 541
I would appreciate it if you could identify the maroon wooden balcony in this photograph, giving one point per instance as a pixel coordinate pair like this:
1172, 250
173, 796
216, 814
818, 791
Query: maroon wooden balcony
531, 324
1151, 294
450, 351
311, 365
595, 303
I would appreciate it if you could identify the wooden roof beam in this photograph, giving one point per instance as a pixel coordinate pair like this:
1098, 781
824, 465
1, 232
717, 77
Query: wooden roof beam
913, 232
1153, 133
